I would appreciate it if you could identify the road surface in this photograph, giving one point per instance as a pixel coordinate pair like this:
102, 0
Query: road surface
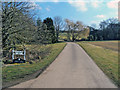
73, 68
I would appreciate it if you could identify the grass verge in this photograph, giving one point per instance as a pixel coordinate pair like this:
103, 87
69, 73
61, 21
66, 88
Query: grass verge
17, 72
106, 59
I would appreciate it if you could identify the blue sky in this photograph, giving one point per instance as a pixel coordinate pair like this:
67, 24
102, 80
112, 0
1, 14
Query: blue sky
89, 12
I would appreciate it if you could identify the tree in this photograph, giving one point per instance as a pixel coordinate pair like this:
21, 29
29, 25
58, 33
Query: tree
45, 33
74, 29
109, 30
40, 32
67, 27
51, 31
16, 20
58, 24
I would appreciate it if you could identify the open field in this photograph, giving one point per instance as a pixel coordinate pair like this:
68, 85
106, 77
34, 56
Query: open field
19, 71
62, 36
113, 45
106, 59
78, 35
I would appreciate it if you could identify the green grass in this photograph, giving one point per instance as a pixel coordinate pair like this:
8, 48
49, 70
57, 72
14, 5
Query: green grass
113, 45
106, 59
63, 36
10, 73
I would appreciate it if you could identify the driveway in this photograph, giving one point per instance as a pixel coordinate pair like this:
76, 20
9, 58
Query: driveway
73, 68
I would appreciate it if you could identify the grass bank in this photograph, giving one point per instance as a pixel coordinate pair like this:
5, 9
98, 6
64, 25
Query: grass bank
106, 59
16, 72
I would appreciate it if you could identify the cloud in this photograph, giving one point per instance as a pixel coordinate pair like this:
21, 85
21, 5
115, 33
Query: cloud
96, 3
79, 5
42, 0
55, 1
40, 8
48, 9
116, 13
94, 24
113, 4
116, 17
35, 6
100, 16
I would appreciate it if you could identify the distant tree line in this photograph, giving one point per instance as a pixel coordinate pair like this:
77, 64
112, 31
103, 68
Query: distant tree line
109, 30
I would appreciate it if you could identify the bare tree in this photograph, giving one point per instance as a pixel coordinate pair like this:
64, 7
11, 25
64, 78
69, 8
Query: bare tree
58, 24
16, 18
67, 27
73, 28
108, 28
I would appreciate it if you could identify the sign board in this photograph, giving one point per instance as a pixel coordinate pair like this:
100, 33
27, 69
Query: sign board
21, 53
18, 53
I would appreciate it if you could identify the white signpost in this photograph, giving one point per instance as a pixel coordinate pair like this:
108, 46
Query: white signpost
21, 53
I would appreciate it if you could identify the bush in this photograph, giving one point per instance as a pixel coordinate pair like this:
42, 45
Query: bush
7, 62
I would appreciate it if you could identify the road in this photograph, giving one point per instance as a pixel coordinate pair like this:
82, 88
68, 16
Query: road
73, 68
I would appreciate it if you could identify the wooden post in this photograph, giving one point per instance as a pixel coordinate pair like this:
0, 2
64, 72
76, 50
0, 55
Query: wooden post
13, 54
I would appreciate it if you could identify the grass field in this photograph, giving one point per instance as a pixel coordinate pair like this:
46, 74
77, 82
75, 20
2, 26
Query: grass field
63, 36
113, 45
105, 56
18, 71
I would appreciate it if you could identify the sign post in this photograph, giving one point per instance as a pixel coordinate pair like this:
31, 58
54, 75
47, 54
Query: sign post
13, 54
24, 54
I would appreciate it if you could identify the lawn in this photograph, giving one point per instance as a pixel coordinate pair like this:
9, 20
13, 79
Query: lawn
113, 45
106, 59
18, 71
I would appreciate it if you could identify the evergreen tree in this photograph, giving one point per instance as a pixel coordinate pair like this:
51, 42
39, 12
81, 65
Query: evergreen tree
51, 30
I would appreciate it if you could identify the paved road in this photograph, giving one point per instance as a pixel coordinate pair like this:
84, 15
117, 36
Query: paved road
73, 68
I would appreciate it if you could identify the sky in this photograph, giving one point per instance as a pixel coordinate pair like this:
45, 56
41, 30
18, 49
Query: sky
89, 12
